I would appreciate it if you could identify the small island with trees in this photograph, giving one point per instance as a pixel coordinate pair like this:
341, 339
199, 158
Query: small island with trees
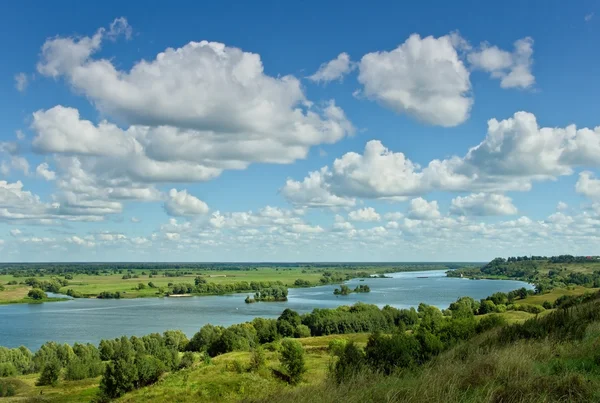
345, 290
271, 294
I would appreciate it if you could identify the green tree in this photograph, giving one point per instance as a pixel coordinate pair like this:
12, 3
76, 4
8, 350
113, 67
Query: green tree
351, 360
50, 374
120, 376
292, 359
37, 294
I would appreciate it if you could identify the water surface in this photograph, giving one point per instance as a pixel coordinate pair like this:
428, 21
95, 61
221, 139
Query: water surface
90, 320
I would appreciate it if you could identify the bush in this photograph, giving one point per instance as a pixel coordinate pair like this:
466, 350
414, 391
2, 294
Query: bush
7, 389
37, 294
292, 359
257, 359
302, 331
337, 346
50, 374
547, 305
187, 361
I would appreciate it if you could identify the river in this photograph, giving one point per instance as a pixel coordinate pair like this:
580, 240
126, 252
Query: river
90, 320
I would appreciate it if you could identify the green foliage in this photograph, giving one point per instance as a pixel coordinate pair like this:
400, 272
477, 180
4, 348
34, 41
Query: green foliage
351, 361
7, 369
149, 370
175, 339
120, 377
37, 294
50, 373
266, 330
7, 389
343, 290
205, 337
389, 353
302, 331
336, 346
85, 364
292, 360
20, 359
187, 360
257, 359
362, 288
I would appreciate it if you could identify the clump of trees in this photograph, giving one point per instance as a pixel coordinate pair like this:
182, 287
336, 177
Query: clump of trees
109, 295
276, 293
37, 294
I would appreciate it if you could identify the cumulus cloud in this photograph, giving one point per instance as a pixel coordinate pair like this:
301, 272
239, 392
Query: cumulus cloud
421, 209
21, 82
365, 214
181, 203
335, 69
43, 171
512, 68
588, 186
423, 77
514, 153
211, 108
562, 205
313, 191
483, 204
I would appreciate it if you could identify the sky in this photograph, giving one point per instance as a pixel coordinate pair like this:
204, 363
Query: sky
299, 131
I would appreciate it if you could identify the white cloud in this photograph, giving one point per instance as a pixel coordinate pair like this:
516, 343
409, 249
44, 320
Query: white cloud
305, 229
15, 232
421, 209
135, 219
562, 206
181, 203
80, 241
483, 204
423, 77
365, 214
515, 153
588, 17
513, 69
335, 69
588, 186
221, 111
313, 192
21, 82
43, 171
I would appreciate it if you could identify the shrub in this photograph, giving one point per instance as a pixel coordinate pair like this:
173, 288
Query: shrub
187, 360
7, 389
257, 359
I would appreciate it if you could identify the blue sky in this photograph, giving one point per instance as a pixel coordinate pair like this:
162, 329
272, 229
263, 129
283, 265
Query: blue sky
281, 131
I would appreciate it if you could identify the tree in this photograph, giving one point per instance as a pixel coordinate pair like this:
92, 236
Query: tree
50, 374
292, 359
37, 294
350, 362
119, 377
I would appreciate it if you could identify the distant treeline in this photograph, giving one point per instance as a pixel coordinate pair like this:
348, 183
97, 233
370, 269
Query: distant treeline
92, 268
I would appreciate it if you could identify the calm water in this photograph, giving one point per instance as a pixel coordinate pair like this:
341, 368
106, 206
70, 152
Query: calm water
90, 320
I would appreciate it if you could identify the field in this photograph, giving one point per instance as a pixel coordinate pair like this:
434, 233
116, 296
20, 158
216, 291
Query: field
90, 282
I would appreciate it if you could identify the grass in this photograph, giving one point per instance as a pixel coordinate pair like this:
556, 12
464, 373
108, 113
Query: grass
17, 294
